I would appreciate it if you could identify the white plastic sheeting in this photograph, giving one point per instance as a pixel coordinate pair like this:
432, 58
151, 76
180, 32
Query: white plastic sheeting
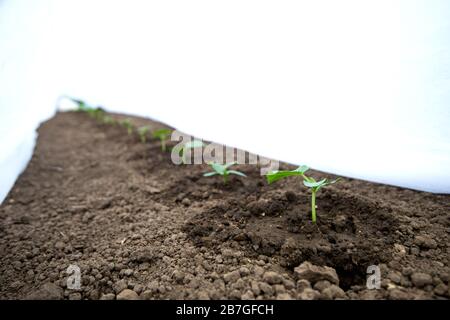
357, 88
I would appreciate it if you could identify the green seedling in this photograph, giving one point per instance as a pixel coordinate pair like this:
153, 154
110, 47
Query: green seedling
223, 171
309, 182
84, 107
108, 120
142, 131
96, 113
128, 125
163, 136
81, 105
316, 186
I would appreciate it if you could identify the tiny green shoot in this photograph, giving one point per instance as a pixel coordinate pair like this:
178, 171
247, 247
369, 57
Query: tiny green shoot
128, 125
81, 105
163, 136
142, 131
316, 186
97, 113
309, 182
222, 170
84, 107
108, 120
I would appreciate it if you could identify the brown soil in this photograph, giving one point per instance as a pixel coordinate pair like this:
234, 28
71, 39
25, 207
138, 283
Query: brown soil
119, 209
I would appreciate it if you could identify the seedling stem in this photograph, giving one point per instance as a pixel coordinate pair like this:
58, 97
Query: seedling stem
313, 206
162, 135
309, 182
142, 131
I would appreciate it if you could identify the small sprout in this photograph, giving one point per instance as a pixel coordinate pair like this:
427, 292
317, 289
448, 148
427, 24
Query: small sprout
142, 131
163, 136
96, 113
307, 181
82, 106
316, 186
108, 120
223, 171
128, 125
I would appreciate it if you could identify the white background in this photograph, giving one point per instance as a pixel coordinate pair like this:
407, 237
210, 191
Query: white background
357, 88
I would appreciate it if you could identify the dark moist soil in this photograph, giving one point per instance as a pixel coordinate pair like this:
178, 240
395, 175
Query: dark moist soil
100, 199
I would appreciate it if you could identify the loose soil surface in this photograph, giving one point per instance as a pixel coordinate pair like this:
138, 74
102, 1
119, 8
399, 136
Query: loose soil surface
140, 227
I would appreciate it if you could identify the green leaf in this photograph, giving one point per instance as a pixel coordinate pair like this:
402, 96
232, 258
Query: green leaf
82, 106
320, 184
309, 179
161, 133
221, 169
77, 101
314, 184
238, 173
217, 167
278, 175
328, 182
302, 169
335, 180
229, 164
209, 174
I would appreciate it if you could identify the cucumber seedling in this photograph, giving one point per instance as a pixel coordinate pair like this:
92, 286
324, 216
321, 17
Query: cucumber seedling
309, 182
96, 113
142, 131
82, 106
163, 136
222, 170
316, 186
108, 120
128, 125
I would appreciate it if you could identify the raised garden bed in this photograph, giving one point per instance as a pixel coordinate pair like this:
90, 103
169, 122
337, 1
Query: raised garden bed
119, 209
